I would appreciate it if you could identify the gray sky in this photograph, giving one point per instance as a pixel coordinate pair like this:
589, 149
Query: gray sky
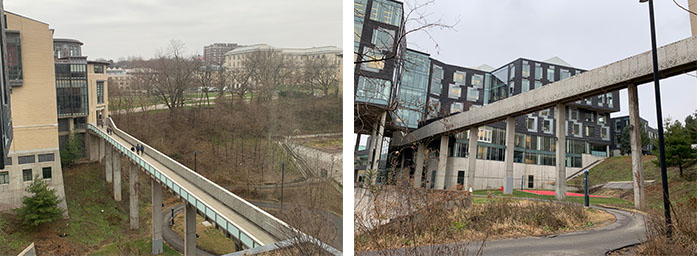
585, 33
113, 29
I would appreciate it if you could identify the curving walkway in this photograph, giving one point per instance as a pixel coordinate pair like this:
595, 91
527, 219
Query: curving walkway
628, 229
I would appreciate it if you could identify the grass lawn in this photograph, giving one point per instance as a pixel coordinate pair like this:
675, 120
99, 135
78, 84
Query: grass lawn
135, 247
575, 199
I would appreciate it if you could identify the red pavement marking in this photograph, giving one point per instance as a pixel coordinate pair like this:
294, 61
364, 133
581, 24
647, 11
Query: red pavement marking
551, 193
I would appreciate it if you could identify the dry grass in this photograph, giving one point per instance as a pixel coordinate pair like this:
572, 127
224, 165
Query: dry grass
450, 217
684, 241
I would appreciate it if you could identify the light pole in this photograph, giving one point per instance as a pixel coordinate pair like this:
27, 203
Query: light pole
195, 162
659, 117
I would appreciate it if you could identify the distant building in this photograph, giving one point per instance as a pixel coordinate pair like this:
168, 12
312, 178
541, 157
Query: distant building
296, 56
34, 152
214, 54
617, 126
81, 90
119, 77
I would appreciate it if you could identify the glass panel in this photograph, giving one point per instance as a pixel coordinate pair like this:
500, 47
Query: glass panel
246, 240
210, 213
233, 230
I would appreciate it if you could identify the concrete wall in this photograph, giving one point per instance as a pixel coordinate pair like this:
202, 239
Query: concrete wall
34, 113
266, 221
490, 174
92, 79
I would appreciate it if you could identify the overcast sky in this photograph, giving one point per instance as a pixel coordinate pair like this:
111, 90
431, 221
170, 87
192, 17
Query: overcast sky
585, 33
113, 29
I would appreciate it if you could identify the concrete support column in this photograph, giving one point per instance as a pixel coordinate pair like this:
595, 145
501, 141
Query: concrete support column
472, 157
378, 145
560, 184
116, 161
190, 230
510, 147
418, 172
108, 166
442, 162
156, 217
692, 6
635, 143
133, 194
101, 150
358, 143
371, 147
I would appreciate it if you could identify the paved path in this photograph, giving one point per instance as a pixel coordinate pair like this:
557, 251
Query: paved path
172, 238
628, 229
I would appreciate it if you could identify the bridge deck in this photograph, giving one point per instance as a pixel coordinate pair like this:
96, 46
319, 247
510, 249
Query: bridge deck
254, 231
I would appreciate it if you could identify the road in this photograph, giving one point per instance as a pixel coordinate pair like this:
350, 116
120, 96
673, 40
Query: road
628, 229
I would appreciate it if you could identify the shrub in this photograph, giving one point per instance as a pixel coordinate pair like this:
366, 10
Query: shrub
42, 206
72, 151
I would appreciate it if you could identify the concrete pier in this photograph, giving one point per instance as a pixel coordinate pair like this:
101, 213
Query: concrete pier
133, 194
418, 172
472, 157
378, 145
116, 161
510, 146
560, 184
156, 217
108, 166
635, 142
190, 230
439, 183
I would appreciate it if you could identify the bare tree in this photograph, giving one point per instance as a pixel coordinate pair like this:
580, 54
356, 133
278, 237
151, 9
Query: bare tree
321, 73
267, 70
170, 73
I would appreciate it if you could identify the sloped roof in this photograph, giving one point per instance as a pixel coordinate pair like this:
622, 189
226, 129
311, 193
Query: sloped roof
557, 61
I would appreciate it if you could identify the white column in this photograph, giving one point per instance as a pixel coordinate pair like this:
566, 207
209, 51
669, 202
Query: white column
133, 194
472, 157
635, 143
107, 165
190, 230
156, 217
510, 145
378, 145
560, 184
116, 161
442, 163
418, 172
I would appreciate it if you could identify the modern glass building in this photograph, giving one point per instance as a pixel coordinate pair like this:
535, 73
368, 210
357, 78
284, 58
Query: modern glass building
5, 111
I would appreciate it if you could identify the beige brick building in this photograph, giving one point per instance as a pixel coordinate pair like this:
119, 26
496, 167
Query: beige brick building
34, 152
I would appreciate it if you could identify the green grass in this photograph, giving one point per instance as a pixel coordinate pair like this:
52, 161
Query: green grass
593, 200
136, 247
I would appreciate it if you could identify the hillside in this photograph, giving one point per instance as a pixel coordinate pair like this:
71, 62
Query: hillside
620, 169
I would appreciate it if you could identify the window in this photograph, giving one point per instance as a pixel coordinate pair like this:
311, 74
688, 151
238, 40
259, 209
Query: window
46, 158
525, 85
46, 171
589, 117
609, 100
4, 178
373, 90
99, 69
604, 132
26, 159
526, 69
14, 58
434, 108
547, 126
512, 72
531, 181
573, 114
461, 177
373, 60
531, 123
564, 74
459, 77
545, 112
383, 39
436, 80
100, 92
485, 134
602, 119
456, 107
454, 91
576, 129
538, 71
386, 12
472, 94
550, 73
538, 84
477, 81
588, 131
26, 175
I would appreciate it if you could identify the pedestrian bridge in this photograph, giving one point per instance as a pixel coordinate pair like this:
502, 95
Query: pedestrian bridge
249, 226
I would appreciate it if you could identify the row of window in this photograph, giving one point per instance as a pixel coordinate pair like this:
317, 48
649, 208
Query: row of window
27, 175
30, 159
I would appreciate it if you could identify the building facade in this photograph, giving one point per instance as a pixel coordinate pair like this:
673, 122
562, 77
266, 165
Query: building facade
81, 90
294, 57
398, 90
34, 152
617, 126
214, 54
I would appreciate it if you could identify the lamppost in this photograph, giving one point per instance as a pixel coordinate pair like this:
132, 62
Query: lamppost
659, 117
195, 162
